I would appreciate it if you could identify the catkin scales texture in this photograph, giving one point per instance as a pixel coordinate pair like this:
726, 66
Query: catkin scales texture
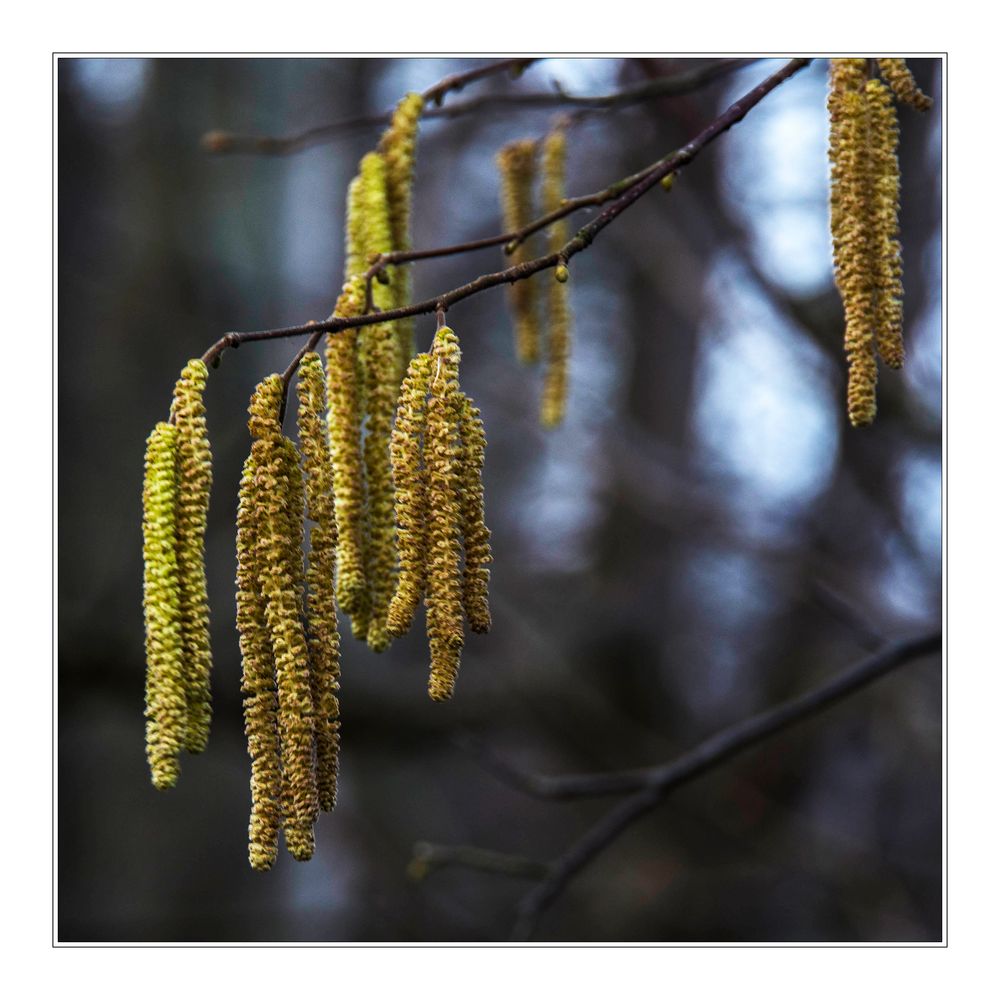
517, 173
166, 696
321, 609
557, 343
194, 483
475, 534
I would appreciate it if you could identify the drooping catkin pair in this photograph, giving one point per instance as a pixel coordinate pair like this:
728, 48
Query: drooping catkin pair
178, 480
288, 636
517, 161
864, 219
365, 369
438, 447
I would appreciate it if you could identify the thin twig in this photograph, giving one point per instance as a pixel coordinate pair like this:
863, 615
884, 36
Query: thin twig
650, 786
583, 238
429, 857
675, 85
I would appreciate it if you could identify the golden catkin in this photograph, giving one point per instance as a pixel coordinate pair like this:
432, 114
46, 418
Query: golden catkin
260, 694
897, 74
398, 146
321, 609
410, 493
517, 173
441, 458
279, 485
344, 397
558, 331
380, 359
883, 140
355, 262
850, 201
475, 534
194, 483
166, 699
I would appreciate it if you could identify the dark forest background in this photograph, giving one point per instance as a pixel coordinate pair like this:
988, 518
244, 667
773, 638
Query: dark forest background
705, 536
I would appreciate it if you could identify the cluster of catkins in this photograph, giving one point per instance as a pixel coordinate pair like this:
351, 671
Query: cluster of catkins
518, 167
388, 475
864, 218
175, 496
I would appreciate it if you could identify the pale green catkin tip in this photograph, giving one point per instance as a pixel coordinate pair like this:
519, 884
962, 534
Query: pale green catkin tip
562, 273
668, 182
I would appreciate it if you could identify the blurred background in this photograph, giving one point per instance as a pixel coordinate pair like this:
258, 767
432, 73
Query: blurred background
704, 537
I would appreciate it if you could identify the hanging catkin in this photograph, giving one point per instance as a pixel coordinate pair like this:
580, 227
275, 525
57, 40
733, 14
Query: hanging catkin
897, 74
194, 483
398, 147
442, 459
321, 609
380, 362
475, 534
517, 173
850, 201
883, 139
558, 333
344, 398
279, 485
410, 493
260, 695
166, 699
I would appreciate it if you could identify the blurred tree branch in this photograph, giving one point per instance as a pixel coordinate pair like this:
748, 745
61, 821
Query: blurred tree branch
647, 787
220, 141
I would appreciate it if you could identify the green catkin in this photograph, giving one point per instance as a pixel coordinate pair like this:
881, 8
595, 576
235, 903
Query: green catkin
260, 695
883, 140
354, 231
321, 609
398, 147
441, 457
558, 339
897, 74
410, 493
166, 699
380, 358
475, 534
194, 483
279, 485
517, 173
344, 419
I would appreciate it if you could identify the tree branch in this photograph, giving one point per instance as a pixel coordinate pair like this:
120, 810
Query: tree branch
648, 787
220, 141
429, 857
640, 184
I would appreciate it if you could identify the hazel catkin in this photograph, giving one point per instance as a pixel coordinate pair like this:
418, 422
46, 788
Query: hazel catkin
194, 483
410, 493
279, 484
517, 173
166, 689
441, 458
321, 608
558, 322
897, 74
475, 534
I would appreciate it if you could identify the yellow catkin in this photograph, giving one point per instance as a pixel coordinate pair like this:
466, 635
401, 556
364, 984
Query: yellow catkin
194, 483
442, 457
897, 74
475, 534
355, 262
279, 484
380, 360
398, 146
517, 173
260, 694
883, 140
850, 202
344, 398
410, 493
166, 701
558, 329
321, 608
